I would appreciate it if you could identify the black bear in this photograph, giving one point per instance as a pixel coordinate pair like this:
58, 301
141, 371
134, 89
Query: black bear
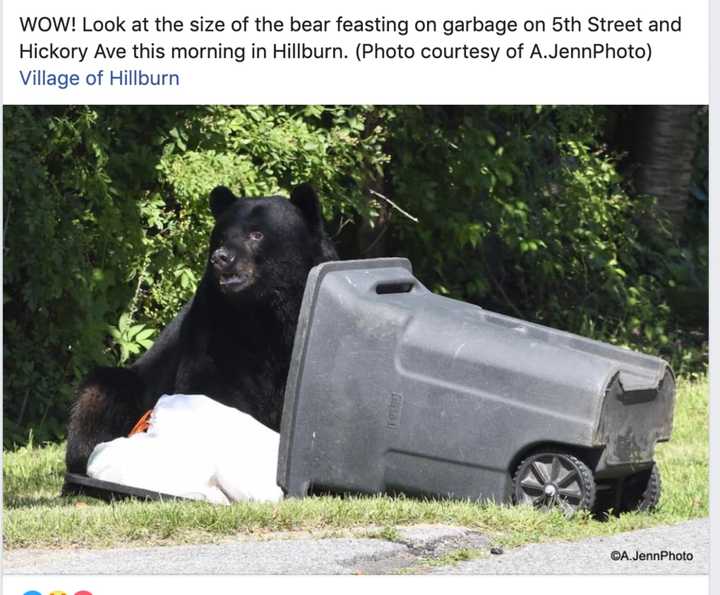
233, 340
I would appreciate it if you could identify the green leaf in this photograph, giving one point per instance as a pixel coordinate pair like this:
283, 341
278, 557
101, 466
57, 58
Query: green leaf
144, 334
134, 330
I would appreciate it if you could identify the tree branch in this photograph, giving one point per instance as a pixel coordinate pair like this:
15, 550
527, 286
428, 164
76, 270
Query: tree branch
395, 206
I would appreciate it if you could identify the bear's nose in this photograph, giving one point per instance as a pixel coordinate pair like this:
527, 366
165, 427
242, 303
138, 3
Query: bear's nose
222, 257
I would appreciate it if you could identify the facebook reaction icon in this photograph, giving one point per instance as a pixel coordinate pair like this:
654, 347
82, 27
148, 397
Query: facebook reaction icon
32, 593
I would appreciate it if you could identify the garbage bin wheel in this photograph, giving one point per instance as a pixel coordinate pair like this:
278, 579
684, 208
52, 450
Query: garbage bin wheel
641, 491
548, 479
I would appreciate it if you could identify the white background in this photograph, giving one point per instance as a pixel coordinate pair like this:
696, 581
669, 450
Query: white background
359, 585
676, 74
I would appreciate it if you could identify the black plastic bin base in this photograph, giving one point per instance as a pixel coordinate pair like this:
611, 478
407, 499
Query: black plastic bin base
109, 491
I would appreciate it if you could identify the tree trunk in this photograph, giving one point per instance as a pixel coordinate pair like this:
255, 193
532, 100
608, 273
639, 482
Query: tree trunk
663, 149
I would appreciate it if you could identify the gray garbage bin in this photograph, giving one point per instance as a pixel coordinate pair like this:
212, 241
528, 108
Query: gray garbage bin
393, 389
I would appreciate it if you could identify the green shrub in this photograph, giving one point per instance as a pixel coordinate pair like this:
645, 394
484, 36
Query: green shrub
106, 223
519, 209
522, 210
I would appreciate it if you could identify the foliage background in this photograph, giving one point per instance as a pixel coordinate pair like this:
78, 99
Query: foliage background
530, 211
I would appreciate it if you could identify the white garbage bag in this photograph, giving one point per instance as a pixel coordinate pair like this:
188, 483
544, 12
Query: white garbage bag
195, 448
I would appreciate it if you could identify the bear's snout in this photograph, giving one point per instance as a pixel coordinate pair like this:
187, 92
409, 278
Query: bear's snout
222, 258
232, 270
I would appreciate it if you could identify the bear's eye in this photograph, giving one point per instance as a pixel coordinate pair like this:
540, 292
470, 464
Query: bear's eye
256, 235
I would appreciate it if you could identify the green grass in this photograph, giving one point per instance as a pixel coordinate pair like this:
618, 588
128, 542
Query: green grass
36, 517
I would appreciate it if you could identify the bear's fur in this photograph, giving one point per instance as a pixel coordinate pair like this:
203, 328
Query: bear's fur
233, 340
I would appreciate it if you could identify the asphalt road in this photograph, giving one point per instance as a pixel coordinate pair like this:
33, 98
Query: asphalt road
686, 547
421, 549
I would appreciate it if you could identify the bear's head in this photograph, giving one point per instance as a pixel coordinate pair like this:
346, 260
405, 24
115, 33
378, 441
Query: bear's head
260, 246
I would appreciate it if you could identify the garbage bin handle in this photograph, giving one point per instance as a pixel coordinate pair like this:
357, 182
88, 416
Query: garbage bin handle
405, 285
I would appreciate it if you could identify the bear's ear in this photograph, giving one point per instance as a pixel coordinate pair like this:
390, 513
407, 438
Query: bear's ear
305, 199
220, 199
